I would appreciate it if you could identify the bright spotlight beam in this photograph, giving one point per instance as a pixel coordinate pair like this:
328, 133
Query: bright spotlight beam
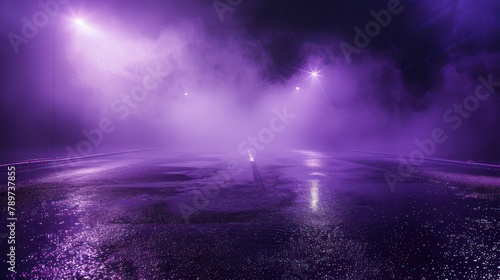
80, 23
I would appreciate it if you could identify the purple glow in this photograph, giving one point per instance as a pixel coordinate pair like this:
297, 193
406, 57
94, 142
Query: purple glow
134, 67
231, 139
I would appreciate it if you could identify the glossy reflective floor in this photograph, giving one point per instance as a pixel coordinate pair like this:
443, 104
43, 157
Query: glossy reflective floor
293, 215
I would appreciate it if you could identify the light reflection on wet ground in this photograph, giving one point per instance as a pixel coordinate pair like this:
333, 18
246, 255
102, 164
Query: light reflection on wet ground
293, 215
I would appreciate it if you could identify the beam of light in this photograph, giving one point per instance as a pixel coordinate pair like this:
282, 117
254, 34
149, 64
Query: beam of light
78, 17
78, 21
250, 156
82, 25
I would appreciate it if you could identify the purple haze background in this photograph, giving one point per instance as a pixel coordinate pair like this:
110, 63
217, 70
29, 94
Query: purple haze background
237, 70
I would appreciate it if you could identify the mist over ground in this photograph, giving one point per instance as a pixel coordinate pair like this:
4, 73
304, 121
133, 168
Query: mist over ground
207, 76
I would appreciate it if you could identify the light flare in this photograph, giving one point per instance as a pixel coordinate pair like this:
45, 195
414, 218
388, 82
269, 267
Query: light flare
82, 25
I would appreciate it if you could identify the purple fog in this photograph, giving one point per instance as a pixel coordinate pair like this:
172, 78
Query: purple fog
214, 83
239, 139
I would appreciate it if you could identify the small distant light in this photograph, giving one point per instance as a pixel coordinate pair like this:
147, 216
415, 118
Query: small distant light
297, 88
186, 93
314, 74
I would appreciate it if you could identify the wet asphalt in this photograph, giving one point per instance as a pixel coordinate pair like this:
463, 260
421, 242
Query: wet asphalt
289, 215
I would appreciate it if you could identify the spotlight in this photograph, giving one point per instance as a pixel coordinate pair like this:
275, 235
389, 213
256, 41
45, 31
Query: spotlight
79, 22
297, 88
81, 25
186, 93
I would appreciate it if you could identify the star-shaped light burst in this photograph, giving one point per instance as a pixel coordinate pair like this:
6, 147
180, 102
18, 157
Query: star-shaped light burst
315, 74
80, 19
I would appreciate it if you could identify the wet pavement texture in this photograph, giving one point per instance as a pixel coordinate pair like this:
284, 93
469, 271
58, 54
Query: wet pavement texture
290, 215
